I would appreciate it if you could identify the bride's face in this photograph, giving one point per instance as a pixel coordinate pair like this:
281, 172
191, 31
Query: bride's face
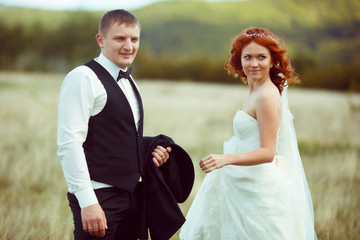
256, 62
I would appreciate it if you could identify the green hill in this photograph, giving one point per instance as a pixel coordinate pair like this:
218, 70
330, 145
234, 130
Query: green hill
178, 35
198, 28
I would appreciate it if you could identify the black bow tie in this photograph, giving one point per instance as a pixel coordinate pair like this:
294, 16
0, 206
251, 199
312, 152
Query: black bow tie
123, 74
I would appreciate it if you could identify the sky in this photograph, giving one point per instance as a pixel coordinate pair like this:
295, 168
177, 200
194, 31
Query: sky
81, 4
78, 4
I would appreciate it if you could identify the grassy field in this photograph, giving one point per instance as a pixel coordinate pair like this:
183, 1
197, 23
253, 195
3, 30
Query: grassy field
33, 202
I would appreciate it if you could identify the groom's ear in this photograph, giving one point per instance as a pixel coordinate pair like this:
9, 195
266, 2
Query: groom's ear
100, 40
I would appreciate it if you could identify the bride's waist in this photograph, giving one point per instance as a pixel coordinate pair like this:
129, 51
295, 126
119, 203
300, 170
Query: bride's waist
240, 145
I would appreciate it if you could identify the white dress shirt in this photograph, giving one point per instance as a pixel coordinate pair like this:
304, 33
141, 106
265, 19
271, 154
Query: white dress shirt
82, 95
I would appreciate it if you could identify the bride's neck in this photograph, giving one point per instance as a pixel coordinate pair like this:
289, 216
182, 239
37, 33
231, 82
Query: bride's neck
257, 85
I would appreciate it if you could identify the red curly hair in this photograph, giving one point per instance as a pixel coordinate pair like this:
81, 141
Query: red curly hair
281, 73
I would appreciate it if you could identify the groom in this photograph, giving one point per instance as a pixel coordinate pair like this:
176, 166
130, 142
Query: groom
100, 135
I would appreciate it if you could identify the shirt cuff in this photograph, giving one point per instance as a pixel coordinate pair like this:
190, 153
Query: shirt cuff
86, 197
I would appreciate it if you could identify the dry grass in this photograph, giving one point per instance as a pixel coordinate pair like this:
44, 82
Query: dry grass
33, 201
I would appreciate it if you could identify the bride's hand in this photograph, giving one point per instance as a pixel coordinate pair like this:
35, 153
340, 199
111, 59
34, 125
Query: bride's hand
212, 162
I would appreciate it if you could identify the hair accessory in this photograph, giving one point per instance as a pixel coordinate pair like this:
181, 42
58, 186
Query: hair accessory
261, 34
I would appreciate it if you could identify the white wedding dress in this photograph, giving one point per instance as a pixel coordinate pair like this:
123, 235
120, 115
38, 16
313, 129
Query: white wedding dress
261, 202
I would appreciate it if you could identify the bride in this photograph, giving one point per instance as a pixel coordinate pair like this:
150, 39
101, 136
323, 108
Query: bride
257, 189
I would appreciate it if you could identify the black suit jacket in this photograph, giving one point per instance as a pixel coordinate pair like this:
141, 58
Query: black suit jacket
164, 187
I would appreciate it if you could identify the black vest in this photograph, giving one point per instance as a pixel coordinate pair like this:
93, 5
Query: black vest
113, 148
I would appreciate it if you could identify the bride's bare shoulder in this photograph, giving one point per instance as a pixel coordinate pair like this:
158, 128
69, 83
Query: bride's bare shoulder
269, 94
269, 99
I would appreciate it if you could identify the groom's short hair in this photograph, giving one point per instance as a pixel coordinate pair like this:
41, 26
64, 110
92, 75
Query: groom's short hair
119, 16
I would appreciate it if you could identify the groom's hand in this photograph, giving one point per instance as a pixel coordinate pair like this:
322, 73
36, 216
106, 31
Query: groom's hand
94, 220
161, 155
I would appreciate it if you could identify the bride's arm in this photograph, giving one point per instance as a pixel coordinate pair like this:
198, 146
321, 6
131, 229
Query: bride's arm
268, 114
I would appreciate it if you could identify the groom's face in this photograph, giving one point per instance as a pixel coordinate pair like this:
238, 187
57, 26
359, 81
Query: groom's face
120, 43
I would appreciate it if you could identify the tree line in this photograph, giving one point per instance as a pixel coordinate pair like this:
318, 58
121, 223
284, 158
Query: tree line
324, 57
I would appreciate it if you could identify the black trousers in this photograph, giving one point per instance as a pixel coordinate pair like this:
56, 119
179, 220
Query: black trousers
122, 211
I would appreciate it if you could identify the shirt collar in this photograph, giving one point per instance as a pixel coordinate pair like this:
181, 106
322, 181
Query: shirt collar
111, 67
